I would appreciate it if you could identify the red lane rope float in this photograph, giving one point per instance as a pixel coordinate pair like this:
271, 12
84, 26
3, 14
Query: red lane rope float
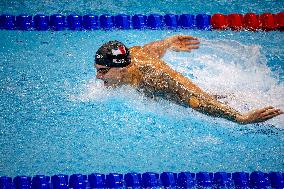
280, 21
249, 21
219, 21
236, 21
267, 22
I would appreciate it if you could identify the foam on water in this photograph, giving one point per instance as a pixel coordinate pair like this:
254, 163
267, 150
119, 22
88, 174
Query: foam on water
94, 90
238, 71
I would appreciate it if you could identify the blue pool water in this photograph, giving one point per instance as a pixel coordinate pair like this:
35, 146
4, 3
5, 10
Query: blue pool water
55, 117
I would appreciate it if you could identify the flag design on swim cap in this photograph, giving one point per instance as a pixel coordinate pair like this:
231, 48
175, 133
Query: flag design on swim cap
120, 50
113, 54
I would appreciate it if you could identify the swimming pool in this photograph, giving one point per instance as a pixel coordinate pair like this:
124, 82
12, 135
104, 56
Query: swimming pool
56, 117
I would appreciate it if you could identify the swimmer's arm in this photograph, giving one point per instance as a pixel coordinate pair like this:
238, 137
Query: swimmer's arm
176, 43
205, 103
162, 78
180, 89
198, 99
213, 107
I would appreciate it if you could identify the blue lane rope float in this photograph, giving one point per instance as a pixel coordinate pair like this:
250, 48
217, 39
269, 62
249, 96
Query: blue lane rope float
57, 22
183, 180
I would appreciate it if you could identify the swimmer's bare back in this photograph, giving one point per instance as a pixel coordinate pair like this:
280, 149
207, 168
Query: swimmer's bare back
149, 72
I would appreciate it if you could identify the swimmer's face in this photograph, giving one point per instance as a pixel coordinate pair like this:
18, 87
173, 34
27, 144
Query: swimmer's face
112, 77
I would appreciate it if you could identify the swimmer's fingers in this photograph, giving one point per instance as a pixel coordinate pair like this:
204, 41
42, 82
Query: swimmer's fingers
185, 49
188, 40
185, 46
186, 37
188, 48
189, 43
193, 47
260, 115
265, 109
272, 114
262, 112
269, 113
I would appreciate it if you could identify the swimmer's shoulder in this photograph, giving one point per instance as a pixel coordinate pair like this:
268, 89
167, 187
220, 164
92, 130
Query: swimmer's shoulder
142, 58
135, 49
138, 55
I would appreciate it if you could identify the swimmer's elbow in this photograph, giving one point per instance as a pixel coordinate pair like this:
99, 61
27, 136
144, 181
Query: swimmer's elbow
193, 102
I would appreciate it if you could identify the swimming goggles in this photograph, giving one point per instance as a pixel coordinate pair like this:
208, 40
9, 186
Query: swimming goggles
103, 70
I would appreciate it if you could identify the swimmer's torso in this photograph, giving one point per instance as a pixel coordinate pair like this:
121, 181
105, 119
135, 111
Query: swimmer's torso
156, 78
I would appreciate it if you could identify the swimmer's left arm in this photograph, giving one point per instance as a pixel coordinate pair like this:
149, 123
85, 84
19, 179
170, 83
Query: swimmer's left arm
177, 43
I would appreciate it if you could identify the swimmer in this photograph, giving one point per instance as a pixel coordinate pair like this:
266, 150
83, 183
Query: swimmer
143, 68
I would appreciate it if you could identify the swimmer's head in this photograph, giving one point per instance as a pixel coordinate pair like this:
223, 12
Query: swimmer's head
113, 54
111, 61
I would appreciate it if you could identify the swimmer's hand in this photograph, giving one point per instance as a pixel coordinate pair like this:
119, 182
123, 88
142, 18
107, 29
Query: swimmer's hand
259, 115
182, 43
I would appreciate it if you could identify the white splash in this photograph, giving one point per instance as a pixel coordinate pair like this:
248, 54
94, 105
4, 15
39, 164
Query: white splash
239, 71
93, 90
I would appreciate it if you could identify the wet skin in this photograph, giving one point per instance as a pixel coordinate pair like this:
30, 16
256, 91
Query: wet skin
150, 73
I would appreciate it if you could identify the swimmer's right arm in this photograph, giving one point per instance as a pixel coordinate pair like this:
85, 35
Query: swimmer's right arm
160, 77
164, 78
177, 43
210, 106
199, 100
215, 108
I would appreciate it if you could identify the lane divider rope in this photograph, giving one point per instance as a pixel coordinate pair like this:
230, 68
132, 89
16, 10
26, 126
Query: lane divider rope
57, 22
183, 180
